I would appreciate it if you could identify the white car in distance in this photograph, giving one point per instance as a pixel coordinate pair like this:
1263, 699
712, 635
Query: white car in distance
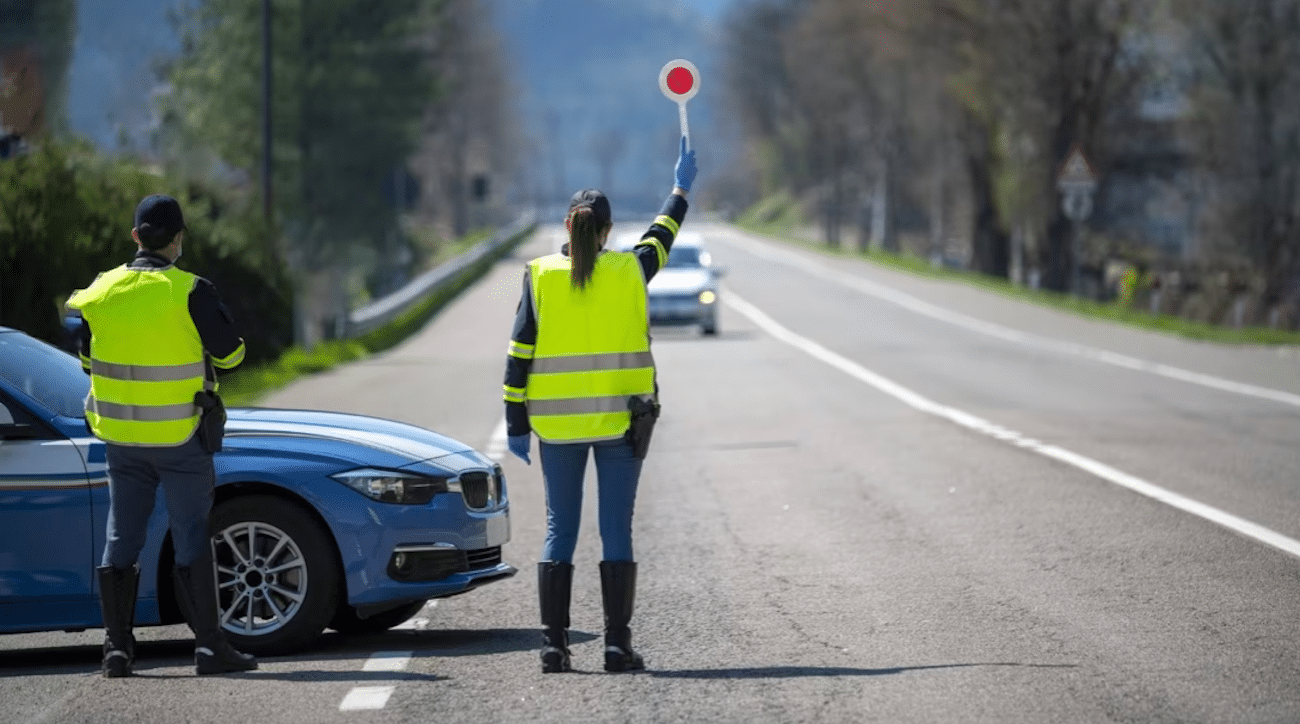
685, 291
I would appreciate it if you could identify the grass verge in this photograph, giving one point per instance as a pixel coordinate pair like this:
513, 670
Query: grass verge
1112, 312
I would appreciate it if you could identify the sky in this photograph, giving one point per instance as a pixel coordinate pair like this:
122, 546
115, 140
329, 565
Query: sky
119, 41
712, 9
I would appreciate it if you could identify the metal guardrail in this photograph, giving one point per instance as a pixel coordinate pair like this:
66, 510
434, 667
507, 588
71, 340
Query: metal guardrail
364, 320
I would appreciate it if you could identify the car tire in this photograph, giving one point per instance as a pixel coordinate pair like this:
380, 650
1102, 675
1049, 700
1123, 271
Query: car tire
346, 621
280, 603
710, 327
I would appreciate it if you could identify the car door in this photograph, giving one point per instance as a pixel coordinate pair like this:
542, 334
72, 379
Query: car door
46, 560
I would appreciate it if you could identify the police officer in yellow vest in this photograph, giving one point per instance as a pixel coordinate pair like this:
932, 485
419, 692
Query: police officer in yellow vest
579, 356
152, 335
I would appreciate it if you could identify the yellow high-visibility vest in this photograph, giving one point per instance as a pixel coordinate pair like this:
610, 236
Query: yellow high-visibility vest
147, 357
593, 349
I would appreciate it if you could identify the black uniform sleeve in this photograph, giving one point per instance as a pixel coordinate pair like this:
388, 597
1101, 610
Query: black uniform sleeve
519, 362
83, 337
652, 250
216, 326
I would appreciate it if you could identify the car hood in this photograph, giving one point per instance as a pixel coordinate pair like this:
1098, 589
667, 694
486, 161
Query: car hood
312, 432
669, 281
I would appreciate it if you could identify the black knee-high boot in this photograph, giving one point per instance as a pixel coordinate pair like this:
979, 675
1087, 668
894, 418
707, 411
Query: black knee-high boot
117, 591
554, 585
618, 592
197, 585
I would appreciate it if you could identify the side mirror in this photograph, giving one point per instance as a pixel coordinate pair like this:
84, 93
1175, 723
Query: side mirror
718, 271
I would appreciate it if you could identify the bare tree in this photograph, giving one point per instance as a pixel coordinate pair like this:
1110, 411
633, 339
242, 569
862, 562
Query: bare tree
977, 99
1247, 128
470, 132
851, 136
1041, 77
759, 90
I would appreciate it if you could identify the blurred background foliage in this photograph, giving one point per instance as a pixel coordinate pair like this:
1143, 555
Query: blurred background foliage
359, 90
932, 130
938, 128
66, 215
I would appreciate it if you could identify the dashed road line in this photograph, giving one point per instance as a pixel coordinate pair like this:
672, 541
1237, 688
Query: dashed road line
367, 697
388, 661
361, 698
977, 424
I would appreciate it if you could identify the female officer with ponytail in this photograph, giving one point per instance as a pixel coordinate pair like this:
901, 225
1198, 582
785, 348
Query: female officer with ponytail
579, 360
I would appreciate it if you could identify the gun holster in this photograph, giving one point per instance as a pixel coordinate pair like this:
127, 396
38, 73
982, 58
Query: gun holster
644, 413
212, 420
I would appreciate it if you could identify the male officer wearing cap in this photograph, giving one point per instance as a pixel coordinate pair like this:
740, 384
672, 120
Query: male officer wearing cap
151, 339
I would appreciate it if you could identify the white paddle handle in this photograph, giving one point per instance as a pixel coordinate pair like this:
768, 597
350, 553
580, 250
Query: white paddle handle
686, 130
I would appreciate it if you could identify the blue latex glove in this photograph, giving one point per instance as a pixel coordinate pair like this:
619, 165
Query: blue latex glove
685, 167
519, 445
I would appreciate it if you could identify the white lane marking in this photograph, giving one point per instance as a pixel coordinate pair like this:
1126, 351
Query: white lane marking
901, 299
366, 697
387, 661
376, 697
1099, 469
496, 448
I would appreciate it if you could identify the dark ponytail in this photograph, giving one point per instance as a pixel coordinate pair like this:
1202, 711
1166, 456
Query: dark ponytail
584, 244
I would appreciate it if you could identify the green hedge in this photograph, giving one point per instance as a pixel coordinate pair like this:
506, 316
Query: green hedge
66, 215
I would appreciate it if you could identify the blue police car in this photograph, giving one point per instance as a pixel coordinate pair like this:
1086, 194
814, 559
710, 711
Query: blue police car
321, 520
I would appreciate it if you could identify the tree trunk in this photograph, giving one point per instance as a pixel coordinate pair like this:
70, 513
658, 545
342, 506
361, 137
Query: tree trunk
884, 232
989, 243
1058, 255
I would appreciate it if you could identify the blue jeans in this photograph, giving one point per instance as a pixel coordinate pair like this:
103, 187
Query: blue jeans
617, 473
134, 474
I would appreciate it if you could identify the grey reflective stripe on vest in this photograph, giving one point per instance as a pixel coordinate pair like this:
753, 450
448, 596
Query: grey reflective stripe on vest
593, 362
141, 413
578, 405
147, 373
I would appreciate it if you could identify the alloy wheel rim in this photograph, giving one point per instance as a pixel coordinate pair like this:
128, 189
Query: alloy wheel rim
261, 578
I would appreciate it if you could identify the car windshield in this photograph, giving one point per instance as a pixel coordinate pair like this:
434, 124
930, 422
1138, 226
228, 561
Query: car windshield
684, 257
46, 374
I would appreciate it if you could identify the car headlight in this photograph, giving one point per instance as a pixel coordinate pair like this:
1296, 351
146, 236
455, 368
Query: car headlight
708, 297
392, 486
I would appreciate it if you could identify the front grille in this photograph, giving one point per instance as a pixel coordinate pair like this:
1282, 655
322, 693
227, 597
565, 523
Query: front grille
485, 558
481, 490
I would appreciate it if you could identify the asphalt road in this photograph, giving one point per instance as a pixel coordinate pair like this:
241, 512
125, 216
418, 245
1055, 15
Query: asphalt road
872, 497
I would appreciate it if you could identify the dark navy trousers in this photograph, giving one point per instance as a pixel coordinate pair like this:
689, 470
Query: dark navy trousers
187, 478
617, 473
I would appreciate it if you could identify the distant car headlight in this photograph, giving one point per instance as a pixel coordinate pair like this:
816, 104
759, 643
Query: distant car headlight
392, 486
707, 297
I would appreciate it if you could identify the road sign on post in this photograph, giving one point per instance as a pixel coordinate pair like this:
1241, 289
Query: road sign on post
1077, 181
680, 81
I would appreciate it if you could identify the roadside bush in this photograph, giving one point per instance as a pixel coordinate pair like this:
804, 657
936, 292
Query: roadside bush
66, 214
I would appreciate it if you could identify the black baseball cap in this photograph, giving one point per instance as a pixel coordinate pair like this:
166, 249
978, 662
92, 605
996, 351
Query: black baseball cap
158, 220
594, 200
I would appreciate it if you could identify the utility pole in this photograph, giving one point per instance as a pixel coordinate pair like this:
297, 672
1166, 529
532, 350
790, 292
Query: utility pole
266, 116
